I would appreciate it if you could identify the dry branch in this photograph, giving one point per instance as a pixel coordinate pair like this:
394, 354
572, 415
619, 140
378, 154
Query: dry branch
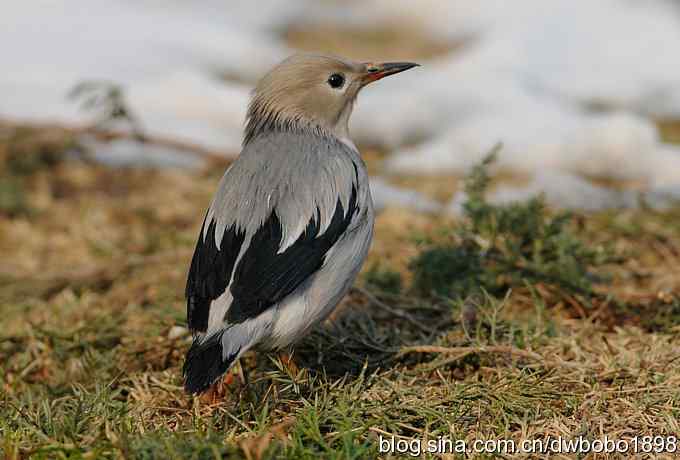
495, 349
107, 135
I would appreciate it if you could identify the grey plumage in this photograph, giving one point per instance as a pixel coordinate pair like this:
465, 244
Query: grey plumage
291, 222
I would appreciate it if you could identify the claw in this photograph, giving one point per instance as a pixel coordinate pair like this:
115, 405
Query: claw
218, 390
288, 363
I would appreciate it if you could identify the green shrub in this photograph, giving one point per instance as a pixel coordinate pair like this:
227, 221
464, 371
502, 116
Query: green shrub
383, 279
496, 247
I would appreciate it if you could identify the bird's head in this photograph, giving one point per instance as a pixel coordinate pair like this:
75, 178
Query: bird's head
308, 91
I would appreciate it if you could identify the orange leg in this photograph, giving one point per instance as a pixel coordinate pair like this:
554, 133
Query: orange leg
288, 363
217, 390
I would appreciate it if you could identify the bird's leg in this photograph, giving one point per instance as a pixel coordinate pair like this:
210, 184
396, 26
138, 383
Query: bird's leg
242, 373
218, 390
209, 397
286, 358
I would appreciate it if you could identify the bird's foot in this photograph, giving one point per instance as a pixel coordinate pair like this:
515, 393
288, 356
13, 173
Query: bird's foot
219, 390
288, 364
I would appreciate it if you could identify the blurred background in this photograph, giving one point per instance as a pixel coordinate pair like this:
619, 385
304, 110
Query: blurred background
584, 96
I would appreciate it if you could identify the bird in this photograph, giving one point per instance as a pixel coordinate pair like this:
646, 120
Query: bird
291, 222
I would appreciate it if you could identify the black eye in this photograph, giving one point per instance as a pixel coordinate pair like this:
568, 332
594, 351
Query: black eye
336, 80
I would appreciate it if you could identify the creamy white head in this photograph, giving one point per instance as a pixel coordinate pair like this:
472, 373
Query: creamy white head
315, 92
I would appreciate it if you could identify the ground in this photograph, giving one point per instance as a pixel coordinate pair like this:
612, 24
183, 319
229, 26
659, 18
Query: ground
92, 334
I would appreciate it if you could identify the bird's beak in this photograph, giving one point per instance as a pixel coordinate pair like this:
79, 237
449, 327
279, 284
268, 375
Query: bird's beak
376, 71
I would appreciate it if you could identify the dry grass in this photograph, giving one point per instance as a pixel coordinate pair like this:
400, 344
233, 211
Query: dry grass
91, 342
669, 129
389, 42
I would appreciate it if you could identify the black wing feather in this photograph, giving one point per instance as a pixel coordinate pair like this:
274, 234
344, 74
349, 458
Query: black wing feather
210, 272
263, 277
205, 364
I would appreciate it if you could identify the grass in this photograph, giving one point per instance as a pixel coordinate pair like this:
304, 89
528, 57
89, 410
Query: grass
497, 247
92, 338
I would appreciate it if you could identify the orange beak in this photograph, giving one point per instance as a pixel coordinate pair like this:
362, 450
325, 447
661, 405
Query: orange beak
376, 71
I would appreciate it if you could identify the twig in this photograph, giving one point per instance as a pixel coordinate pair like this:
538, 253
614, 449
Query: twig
105, 134
494, 349
383, 432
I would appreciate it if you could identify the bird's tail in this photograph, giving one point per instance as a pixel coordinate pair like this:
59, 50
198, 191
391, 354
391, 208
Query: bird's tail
211, 357
206, 362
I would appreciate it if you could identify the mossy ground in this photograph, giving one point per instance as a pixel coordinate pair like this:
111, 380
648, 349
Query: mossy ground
91, 293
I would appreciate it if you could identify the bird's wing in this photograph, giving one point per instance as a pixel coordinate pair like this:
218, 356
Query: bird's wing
210, 271
266, 275
269, 229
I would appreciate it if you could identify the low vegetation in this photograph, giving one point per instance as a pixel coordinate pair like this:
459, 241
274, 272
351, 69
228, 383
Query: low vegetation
513, 322
496, 248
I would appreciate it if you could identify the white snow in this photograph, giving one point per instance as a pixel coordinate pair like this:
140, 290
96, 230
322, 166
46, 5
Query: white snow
127, 152
530, 77
570, 191
168, 56
386, 195
530, 74
558, 189
619, 145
